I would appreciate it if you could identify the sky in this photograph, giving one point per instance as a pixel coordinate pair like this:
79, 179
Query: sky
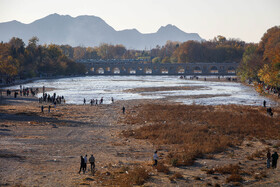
246, 20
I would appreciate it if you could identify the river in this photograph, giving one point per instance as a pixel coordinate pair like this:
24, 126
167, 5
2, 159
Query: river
204, 92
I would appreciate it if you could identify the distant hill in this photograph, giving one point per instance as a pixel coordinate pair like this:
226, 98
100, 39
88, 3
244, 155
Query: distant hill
89, 31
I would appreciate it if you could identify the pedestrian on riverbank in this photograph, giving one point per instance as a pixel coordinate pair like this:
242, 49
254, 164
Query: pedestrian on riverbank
123, 109
92, 163
82, 166
264, 103
49, 108
42, 108
84, 101
101, 100
268, 156
112, 99
85, 160
274, 159
269, 111
155, 158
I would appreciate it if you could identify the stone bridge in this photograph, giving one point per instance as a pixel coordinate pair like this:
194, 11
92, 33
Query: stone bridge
133, 67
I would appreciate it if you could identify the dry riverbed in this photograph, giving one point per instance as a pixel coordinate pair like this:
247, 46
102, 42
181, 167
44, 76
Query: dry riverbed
44, 149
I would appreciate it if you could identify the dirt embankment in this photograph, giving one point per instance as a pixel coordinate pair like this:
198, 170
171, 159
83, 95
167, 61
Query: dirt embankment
195, 144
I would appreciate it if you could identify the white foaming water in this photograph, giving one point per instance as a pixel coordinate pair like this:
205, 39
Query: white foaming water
94, 87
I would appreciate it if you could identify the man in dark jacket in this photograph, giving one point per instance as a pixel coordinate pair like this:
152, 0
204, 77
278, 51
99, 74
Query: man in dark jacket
82, 167
274, 157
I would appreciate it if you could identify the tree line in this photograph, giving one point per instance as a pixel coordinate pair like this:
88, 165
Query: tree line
261, 62
257, 61
217, 50
33, 60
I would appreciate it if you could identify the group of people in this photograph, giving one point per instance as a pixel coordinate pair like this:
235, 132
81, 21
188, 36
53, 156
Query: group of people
27, 91
269, 89
83, 166
23, 92
272, 158
96, 101
55, 99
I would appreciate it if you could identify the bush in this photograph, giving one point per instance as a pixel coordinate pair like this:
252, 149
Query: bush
234, 178
228, 169
162, 168
174, 162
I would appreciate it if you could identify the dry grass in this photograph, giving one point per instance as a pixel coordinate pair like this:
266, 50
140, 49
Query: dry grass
260, 175
176, 175
193, 131
234, 178
162, 168
256, 154
125, 176
228, 169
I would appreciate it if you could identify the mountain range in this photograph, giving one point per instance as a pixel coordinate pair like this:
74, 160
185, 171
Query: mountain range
89, 31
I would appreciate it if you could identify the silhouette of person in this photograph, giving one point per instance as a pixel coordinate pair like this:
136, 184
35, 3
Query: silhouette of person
82, 166
274, 159
268, 156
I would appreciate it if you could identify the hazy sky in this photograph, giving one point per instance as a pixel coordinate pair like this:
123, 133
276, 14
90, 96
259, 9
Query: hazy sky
247, 20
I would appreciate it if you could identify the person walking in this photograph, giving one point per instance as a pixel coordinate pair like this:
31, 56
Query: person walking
42, 108
85, 160
92, 163
84, 101
49, 108
155, 158
123, 109
82, 166
274, 159
268, 156
264, 103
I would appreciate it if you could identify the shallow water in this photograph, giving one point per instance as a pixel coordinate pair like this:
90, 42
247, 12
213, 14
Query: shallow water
95, 87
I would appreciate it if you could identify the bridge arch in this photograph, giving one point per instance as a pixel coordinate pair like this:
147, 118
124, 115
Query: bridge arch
163, 70
100, 70
148, 70
116, 70
214, 70
231, 70
180, 70
131, 71
197, 70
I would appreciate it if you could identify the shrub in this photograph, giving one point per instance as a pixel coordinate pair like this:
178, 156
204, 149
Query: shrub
174, 162
234, 178
228, 169
139, 176
178, 175
162, 168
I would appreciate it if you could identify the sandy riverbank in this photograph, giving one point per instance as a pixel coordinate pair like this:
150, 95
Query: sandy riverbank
43, 149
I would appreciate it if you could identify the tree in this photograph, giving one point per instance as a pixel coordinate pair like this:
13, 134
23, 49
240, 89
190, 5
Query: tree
269, 48
32, 42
